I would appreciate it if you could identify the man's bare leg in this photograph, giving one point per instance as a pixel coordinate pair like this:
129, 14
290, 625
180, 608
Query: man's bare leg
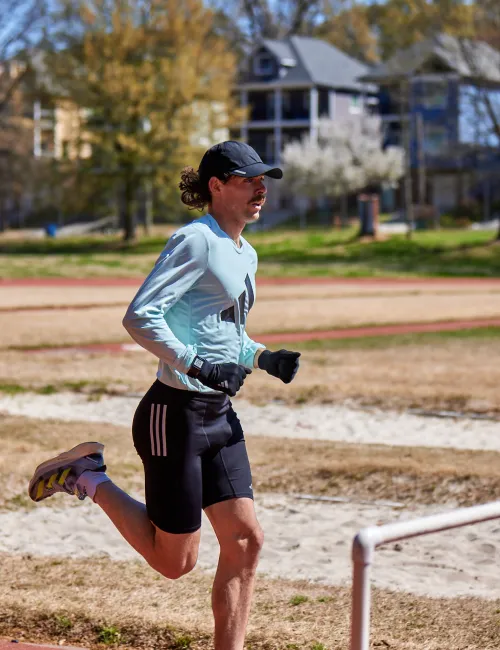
240, 537
170, 554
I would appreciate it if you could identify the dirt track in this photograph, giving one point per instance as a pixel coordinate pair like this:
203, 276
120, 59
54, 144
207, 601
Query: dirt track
289, 337
130, 282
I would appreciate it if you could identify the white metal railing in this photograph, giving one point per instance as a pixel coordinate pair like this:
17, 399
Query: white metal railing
368, 539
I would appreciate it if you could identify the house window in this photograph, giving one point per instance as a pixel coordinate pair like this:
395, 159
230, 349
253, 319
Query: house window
295, 105
263, 143
435, 139
434, 94
323, 102
355, 104
65, 149
47, 143
263, 64
261, 105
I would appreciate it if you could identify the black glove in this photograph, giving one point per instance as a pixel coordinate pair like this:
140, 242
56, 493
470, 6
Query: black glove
281, 364
226, 377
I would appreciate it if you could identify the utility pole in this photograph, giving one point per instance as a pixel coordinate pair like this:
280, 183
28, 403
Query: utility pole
405, 116
422, 177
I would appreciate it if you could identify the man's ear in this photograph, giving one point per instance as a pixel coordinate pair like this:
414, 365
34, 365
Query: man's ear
214, 185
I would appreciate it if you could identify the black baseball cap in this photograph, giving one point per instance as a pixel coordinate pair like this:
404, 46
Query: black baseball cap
233, 158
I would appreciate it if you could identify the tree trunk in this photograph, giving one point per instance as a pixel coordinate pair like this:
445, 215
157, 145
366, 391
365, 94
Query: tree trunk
344, 213
128, 210
148, 206
3, 216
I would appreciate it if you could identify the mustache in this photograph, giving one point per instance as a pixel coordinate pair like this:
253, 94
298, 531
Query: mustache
258, 198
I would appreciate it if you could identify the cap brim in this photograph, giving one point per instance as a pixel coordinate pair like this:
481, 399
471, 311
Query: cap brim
258, 169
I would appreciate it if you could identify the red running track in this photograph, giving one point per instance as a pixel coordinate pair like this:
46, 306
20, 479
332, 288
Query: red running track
297, 337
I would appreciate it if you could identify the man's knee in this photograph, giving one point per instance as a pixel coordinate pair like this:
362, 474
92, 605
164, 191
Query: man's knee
244, 547
256, 540
174, 555
174, 568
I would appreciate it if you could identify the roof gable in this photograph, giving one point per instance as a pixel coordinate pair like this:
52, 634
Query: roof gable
309, 61
442, 53
327, 65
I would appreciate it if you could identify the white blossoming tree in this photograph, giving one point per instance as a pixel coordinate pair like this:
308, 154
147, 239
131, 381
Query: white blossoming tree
347, 156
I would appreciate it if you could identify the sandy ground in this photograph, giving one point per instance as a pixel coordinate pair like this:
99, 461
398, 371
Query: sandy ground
304, 539
318, 422
452, 374
20, 297
49, 327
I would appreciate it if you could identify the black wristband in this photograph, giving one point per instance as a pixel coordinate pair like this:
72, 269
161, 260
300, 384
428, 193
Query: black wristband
263, 359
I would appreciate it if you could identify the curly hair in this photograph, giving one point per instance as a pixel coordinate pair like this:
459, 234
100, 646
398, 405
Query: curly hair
195, 193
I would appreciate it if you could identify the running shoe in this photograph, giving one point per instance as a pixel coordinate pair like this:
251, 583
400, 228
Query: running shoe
61, 474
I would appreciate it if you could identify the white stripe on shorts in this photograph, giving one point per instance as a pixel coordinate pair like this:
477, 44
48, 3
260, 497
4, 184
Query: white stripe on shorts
154, 429
157, 430
164, 429
151, 433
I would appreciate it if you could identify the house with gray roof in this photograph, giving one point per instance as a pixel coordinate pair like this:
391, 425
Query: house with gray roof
287, 85
447, 92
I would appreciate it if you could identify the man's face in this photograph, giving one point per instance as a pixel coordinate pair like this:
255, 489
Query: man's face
244, 197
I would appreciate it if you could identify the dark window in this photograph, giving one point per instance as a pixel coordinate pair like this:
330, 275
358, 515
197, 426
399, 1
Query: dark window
323, 103
263, 143
263, 64
296, 104
261, 105
47, 143
65, 149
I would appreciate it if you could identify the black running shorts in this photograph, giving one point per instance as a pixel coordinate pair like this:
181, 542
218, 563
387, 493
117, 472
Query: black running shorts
194, 455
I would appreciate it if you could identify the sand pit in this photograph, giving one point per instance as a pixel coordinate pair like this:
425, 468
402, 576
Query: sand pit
304, 539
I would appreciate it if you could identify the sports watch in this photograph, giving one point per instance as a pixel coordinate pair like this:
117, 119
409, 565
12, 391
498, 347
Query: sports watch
196, 367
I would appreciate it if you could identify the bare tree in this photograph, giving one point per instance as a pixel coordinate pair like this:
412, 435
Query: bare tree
256, 19
480, 94
22, 24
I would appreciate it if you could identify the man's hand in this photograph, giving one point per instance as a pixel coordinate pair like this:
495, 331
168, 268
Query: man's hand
226, 377
281, 364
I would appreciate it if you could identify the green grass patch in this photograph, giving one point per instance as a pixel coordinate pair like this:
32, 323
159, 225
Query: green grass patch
91, 388
12, 389
108, 634
184, 641
315, 252
395, 340
328, 253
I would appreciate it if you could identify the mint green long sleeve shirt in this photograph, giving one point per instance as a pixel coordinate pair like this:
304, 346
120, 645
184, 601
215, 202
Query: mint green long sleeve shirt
196, 301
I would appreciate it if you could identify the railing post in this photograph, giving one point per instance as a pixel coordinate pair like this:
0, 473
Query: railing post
363, 551
367, 540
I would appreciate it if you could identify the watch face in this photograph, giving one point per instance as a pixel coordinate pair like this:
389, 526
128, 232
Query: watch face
198, 363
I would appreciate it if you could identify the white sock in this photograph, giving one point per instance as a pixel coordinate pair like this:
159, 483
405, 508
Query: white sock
90, 479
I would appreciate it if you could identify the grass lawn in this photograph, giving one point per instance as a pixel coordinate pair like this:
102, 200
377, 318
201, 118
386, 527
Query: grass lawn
126, 605
312, 252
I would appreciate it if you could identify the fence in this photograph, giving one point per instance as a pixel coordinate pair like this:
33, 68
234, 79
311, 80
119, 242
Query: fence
367, 540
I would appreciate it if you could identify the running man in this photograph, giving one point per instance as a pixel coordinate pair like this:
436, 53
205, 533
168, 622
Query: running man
190, 313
